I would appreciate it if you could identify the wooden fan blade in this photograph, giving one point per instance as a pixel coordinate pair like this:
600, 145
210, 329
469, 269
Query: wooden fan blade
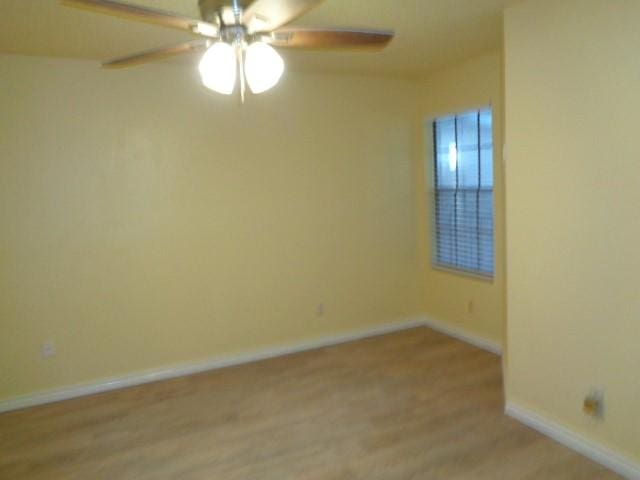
147, 15
155, 54
334, 38
267, 15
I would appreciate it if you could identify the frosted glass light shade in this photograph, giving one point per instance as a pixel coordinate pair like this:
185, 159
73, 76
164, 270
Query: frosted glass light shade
218, 68
263, 67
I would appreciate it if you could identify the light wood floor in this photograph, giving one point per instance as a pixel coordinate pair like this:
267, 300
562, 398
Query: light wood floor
407, 406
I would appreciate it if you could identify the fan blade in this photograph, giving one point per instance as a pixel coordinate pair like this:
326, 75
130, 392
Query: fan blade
148, 15
155, 54
267, 15
334, 38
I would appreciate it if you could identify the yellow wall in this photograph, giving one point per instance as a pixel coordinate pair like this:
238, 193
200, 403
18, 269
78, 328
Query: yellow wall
147, 223
471, 84
573, 189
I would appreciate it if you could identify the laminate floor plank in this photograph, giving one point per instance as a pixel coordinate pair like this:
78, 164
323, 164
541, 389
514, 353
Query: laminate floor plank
412, 405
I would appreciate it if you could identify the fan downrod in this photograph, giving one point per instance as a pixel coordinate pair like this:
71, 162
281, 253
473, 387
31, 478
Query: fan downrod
210, 9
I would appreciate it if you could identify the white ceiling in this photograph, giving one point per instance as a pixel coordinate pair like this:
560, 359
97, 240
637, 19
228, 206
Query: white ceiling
429, 33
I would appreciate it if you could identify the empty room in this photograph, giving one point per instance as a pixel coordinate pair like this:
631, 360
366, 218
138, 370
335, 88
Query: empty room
319, 239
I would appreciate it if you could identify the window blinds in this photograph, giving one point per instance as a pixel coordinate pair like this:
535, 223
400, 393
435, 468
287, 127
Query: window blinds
463, 153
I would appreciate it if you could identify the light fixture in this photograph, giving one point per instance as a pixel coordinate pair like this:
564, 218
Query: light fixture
259, 63
218, 68
263, 67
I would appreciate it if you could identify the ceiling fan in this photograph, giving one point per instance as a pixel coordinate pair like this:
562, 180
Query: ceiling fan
237, 37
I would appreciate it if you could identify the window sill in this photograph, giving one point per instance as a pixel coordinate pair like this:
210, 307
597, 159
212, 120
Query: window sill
464, 273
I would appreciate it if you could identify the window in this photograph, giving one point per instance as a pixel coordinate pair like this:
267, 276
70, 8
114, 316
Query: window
463, 181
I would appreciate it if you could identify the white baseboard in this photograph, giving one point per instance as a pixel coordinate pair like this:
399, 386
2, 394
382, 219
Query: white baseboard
165, 373
589, 449
475, 340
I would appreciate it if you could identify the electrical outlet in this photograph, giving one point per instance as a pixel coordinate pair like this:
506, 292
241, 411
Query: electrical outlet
47, 349
593, 404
